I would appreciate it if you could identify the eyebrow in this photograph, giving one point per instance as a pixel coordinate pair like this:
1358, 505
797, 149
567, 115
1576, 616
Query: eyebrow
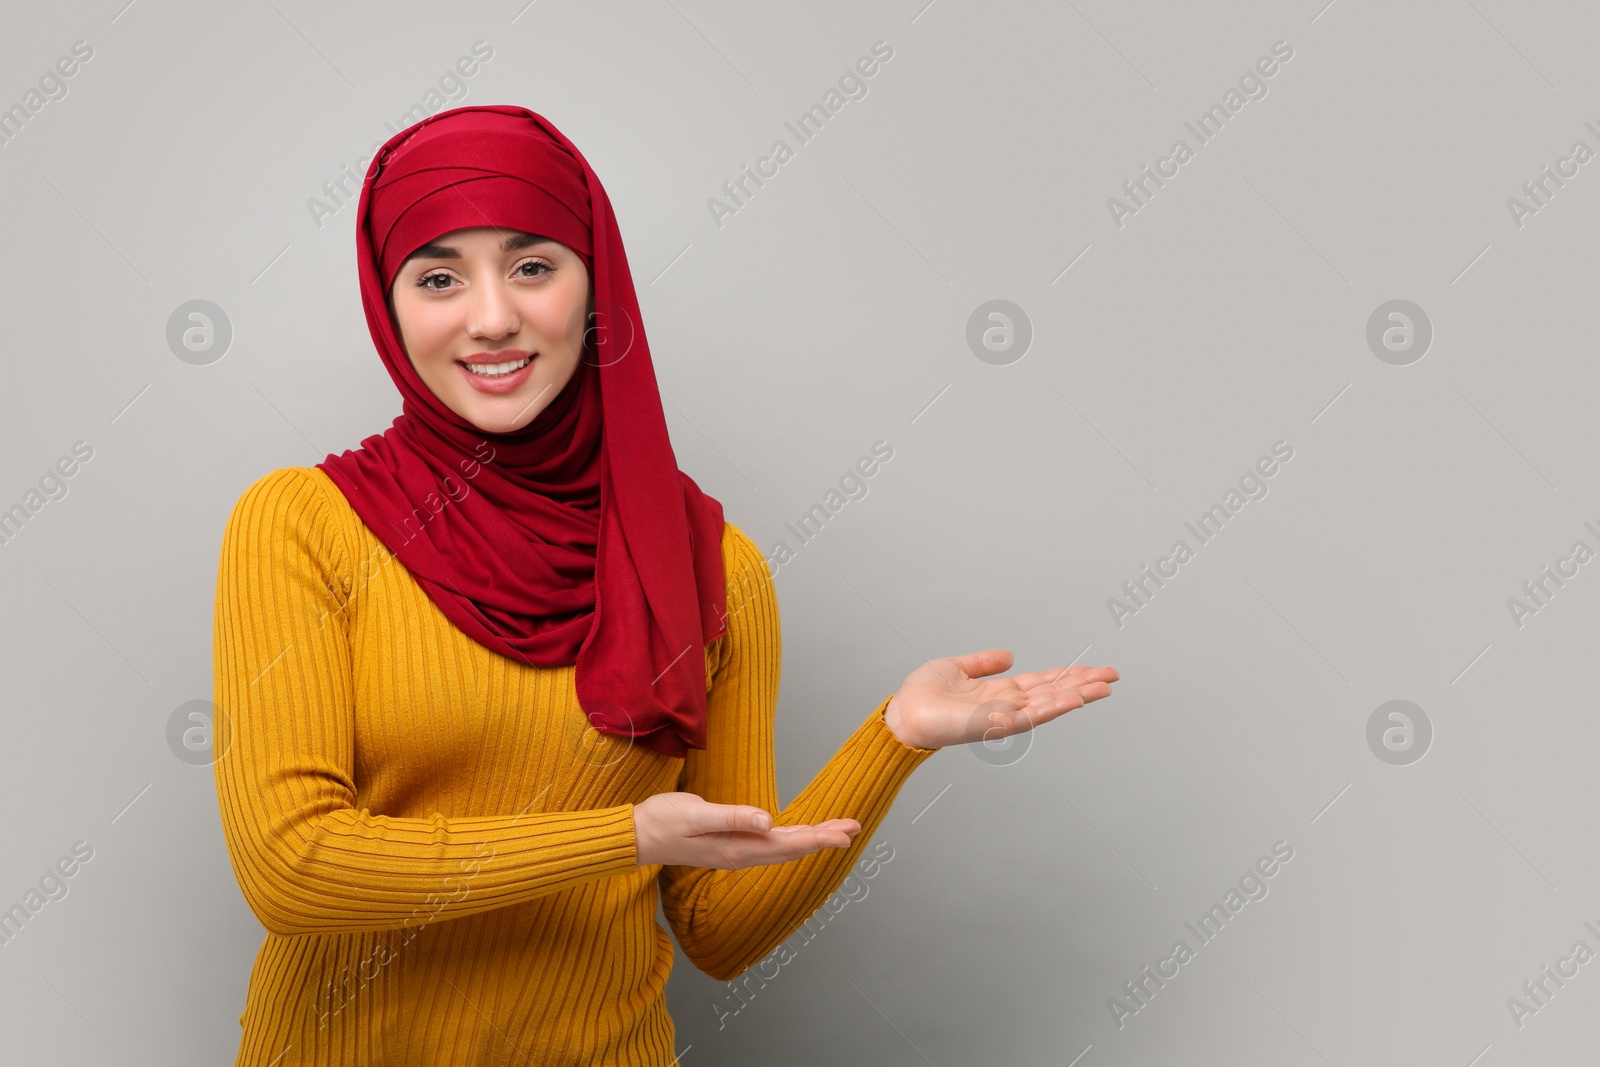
510, 244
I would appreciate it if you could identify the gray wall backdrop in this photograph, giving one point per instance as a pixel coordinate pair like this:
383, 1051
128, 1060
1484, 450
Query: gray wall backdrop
1045, 451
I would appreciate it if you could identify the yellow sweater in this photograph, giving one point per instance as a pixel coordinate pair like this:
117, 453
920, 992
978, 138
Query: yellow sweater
439, 845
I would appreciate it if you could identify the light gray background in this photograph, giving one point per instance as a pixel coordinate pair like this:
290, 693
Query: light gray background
829, 313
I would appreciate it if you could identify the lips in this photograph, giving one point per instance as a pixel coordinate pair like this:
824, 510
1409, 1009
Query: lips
509, 355
503, 383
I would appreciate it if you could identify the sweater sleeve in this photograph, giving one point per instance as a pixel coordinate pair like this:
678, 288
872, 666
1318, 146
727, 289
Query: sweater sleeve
728, 919
307, 859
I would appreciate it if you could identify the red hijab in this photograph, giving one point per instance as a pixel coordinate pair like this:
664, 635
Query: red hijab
576, 540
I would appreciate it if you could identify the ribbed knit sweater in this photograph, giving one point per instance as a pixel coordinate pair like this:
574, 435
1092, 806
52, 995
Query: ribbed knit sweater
439, 845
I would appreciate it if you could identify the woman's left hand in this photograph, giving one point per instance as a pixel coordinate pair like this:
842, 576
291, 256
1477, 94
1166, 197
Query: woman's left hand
944, 702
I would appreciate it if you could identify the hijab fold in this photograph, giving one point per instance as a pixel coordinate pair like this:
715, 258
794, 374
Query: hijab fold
575, 540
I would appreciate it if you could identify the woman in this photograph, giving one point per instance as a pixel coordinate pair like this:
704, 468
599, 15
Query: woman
486, 682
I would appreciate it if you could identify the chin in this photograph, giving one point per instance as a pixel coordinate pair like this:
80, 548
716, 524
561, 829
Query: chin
497, 418
490, 422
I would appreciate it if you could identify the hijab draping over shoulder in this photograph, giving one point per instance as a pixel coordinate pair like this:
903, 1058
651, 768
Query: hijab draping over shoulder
575, 540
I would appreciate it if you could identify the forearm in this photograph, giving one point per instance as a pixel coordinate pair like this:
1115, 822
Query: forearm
731, 918
347, 870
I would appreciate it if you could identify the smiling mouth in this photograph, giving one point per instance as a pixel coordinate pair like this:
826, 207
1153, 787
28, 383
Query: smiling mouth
496, 370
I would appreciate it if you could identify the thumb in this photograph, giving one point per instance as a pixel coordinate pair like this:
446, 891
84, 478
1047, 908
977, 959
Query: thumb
744, 817
989, 661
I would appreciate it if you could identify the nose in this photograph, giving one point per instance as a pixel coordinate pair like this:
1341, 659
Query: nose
491, 313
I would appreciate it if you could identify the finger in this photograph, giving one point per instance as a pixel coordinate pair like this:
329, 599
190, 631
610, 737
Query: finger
1095, 691
849, 826
714, 818
1087, 690
979, 664
1064, 676
802, 842
1048, 676
1043, 705
1061, 704
1085, 673
1056, 702
753, 819
1092, 681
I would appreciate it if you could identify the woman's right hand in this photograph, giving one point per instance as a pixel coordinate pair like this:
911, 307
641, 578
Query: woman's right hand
687, 830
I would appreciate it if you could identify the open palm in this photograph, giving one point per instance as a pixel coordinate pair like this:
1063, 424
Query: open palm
952, 701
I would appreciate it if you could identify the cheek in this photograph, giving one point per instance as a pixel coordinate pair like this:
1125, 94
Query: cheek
426, 327
555, 318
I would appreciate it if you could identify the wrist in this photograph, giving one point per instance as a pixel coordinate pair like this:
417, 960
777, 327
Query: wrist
642, 853
894, 721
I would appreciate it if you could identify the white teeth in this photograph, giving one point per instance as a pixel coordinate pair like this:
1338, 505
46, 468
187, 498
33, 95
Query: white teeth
495, 370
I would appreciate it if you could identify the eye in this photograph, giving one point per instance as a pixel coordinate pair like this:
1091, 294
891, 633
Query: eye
436, 280
532, 268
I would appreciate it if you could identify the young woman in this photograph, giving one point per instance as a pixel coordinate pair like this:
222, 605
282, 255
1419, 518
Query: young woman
488, 682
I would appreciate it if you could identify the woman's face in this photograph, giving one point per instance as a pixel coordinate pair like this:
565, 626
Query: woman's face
487, 297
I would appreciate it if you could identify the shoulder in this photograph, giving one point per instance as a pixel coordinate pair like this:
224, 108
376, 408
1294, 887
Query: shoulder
738, 546
744, 567
753, 625
288, 508
298, 493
